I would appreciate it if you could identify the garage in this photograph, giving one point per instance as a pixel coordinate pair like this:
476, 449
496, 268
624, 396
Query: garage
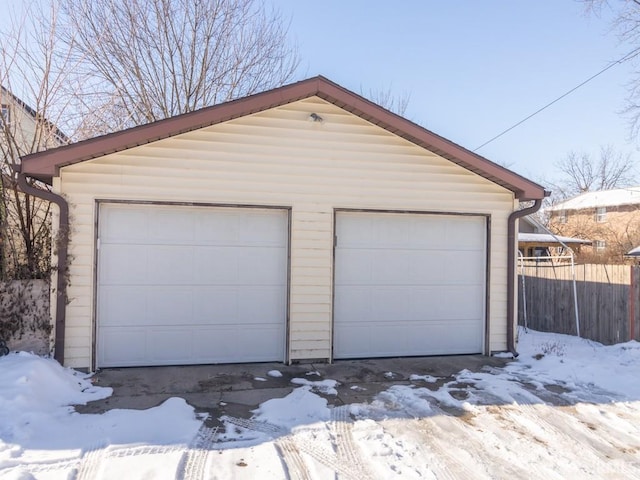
409, 284
190, 284
299, 224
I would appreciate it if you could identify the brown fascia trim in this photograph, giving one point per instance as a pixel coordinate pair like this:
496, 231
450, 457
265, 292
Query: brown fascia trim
45, 165
62, 244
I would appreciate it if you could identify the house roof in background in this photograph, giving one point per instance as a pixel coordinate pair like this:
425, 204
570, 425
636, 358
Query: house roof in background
32, 113
633, 253
45, 165
601, 198
550, 239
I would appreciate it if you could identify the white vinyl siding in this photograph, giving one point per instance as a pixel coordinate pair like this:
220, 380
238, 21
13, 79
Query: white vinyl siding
278, 158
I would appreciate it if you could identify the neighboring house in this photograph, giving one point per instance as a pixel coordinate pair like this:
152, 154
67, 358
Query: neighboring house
537, 242
22, 130
610, 218
301, 223
30, 132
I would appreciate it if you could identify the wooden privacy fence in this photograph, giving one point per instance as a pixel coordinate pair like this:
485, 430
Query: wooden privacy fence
608, 298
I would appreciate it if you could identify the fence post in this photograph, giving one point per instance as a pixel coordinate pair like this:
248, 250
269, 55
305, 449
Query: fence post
632, 303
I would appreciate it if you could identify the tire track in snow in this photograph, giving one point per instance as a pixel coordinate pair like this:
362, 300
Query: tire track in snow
194, 460
142, 450
346, 449
438, 440
328, 458
89, 463
457, 448
262, 427
589, 444
48, 467
294, 464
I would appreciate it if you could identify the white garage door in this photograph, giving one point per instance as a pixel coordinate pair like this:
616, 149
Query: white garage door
408, 284
188, 285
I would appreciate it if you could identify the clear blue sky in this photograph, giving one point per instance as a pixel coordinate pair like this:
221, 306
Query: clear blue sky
474, 68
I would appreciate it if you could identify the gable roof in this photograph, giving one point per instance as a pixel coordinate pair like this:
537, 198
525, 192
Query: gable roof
15, 100
601, 198
45, 165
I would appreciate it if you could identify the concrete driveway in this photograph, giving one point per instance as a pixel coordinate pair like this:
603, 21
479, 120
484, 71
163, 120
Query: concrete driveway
236, 389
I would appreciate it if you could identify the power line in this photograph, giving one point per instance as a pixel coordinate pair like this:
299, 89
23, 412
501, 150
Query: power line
621, 60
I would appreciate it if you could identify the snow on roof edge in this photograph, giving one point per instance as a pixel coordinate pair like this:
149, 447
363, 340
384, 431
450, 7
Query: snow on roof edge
600, 198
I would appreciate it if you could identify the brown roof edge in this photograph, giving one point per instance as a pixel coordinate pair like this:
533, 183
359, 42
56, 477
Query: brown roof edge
45, 165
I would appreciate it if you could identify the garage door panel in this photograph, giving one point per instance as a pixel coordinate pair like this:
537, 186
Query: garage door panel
389, 304
169, 265
356, 266
393, 233
208, 281
461, 267
165, 227
448, 302
122, 345
428, 235
219, 344
262, 304
445, 338
354, 303
463, 232
352, 341
122, 305
259, 266
271, 234
216, 266
427, 267
406, 339
390, 267
169, 345
169, 305
407, 284
388, 340
125, 265
125, 226
219, 230
221, 305
357, 232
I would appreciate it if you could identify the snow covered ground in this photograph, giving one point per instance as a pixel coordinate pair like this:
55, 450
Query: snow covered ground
566, 408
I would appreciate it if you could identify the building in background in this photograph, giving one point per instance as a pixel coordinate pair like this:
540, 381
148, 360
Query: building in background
536, 243
609, 218
23, 130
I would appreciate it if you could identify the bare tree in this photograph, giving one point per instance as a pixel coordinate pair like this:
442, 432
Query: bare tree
87, 68
34, 68
145, 60
387, 99
580, 172
626, 24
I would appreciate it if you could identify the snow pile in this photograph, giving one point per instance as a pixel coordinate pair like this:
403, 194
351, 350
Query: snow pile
34, 389
577, 363
39, 425
328, 387
300, 407
38, 383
